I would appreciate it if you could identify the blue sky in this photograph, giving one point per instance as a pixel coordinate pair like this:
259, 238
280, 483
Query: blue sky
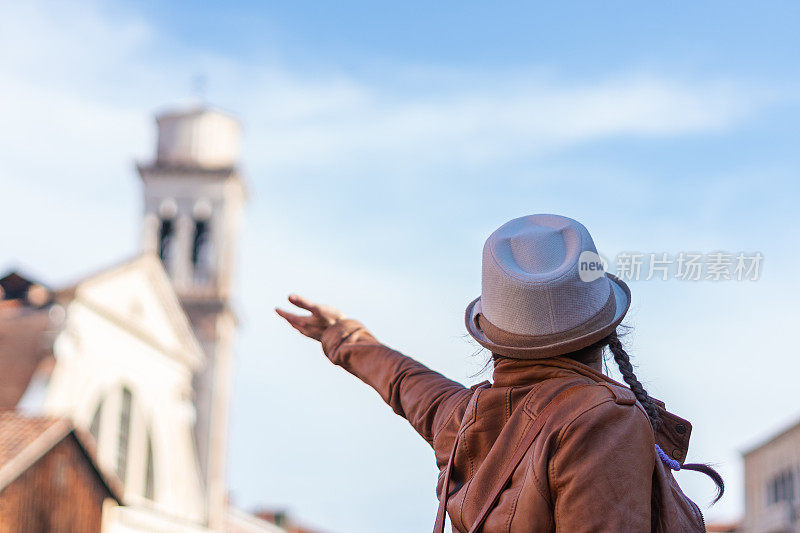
382, 146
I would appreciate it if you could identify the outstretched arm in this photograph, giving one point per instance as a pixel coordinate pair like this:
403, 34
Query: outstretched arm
427, 399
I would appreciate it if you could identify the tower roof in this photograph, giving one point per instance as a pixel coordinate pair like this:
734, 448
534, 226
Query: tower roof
198, 137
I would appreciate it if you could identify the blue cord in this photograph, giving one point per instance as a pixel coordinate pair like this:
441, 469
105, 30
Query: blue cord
667, 460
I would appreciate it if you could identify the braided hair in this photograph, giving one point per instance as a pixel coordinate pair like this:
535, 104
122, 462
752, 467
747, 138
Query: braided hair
623, 361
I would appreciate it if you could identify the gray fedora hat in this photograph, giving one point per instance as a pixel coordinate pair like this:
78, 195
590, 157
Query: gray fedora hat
544, 291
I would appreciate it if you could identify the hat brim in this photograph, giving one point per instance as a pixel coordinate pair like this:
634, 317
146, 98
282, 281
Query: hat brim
554, 346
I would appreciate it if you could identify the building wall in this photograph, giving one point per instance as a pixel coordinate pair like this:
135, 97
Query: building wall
60, 493
185, 197
22, 348
182, 189
212, 388
772, 485
116, 335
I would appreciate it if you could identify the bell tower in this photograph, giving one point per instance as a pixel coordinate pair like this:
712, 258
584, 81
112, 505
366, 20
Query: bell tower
193, 203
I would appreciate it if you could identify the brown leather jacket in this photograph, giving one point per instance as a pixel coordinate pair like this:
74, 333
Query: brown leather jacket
590, 471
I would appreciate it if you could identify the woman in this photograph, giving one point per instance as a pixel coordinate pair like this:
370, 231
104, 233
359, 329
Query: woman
552, 444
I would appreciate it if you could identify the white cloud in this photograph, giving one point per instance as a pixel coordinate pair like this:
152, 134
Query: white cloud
66, 70
356, 124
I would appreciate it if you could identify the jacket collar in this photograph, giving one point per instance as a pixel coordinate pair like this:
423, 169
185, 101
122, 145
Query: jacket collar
515, 372
672, 435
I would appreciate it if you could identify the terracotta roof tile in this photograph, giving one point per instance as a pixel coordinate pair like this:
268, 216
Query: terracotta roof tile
24, 439
17, 432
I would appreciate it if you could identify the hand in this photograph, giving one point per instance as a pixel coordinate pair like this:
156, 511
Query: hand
314, 325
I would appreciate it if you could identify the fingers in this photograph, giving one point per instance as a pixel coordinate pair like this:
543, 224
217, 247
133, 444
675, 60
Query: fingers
322, 312
290, 317
321, 317
303, 324
303, 303
300, 323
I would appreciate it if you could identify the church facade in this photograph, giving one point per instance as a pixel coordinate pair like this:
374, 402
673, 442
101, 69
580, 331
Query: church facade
139, 356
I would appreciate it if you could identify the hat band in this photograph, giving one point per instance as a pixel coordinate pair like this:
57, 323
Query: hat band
515, 340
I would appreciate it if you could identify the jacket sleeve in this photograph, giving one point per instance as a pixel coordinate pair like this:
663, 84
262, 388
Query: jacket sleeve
601, 474
425, 398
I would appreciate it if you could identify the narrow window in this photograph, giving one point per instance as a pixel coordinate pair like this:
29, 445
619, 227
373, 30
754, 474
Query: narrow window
200, 253
165, 239
94, 426
124, 433
781, 487
149, 481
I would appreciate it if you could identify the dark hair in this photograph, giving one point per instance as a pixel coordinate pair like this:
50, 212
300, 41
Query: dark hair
623, 360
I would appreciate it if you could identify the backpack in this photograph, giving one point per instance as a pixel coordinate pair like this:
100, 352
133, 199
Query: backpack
671, 510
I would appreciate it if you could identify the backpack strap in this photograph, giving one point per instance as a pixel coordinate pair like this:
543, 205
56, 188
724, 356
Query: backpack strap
508, 468
440, 513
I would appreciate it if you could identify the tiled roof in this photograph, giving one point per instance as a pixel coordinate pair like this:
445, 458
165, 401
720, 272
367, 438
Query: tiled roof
24, 440
18, 432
